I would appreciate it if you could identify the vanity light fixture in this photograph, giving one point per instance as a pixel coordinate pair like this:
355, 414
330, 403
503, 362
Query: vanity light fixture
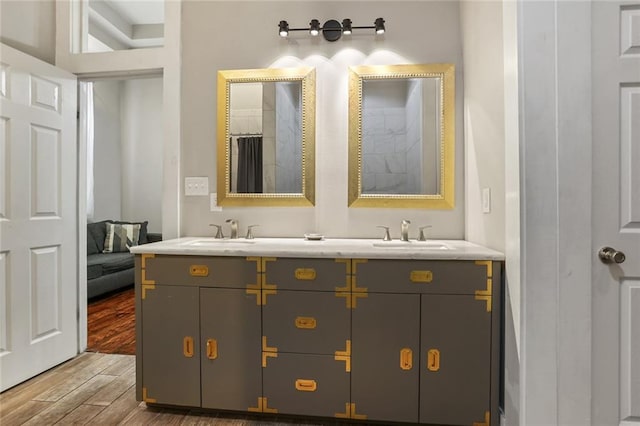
284, 28
331, 30
314, 27
346, 26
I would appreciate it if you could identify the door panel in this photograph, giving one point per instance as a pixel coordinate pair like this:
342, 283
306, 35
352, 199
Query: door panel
616, 211
630, 349
38, 217
45, 291
630, 154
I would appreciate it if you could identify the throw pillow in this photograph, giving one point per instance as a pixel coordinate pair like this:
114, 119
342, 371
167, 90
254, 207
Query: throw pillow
142, 239
120, 237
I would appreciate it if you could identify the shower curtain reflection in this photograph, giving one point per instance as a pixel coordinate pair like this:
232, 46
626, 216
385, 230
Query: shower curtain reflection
249, 179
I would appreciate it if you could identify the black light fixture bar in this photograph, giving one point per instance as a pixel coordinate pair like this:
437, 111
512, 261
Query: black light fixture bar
331, 30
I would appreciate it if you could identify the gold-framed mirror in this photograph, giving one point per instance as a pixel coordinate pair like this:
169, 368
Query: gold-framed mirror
402, 136
266, 137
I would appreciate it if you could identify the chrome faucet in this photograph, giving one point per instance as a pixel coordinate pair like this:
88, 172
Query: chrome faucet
219, 234
404, 230
234, 228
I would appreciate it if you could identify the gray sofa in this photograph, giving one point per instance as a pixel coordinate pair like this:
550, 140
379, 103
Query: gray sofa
107, 272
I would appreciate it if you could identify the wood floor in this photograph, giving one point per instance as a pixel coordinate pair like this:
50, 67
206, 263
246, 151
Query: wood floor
99, 389
111, 324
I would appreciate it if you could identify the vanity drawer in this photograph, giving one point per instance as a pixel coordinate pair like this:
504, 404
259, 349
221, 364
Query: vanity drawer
310, 385
306, 322
422, 276
205, 271
307, 274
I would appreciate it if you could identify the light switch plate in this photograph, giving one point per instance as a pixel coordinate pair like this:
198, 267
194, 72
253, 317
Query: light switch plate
196, 186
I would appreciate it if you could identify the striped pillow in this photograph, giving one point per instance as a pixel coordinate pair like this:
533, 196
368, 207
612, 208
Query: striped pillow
120, 237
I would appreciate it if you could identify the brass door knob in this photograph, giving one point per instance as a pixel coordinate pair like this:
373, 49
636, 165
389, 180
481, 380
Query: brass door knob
611, 255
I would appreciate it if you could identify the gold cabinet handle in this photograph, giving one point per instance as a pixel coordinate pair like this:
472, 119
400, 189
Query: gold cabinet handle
305, 274
306, 322
433, 360
187, 346
406, 359
212, 348
306, 385
421, 276
199, 270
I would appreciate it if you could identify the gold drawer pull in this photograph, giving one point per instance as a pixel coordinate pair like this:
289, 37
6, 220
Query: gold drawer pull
306, 322
212, 348
421, 276
433, 360
406, 359
187, 346
306, 385
199, 270
305, 274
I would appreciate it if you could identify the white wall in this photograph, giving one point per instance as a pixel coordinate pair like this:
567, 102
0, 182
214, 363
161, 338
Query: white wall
107, 150
29, 26
128, 151
142, 153
417, 32
491, 142
483, 120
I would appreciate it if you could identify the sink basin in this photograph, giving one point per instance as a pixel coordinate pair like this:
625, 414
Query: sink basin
412, 245
218, 242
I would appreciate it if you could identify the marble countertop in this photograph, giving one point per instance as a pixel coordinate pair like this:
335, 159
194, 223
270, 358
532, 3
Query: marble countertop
323, 248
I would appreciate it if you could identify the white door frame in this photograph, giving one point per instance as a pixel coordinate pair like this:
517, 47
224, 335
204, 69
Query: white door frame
555, 146
166, 59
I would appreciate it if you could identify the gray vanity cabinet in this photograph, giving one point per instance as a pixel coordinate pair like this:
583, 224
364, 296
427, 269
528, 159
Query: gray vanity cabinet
385, 357
199, 331
414, 341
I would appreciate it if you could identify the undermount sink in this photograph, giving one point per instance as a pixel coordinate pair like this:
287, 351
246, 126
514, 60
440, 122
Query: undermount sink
218, 242
412, 245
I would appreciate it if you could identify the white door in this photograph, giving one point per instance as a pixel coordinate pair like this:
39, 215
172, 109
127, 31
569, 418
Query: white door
616, 212
38, 217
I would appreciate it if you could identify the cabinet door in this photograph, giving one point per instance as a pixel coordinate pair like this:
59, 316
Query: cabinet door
231, 349
170, 346
385, 357
455, 360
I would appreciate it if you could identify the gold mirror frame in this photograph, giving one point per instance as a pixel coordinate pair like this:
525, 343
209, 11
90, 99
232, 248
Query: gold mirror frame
445, 198
307, 77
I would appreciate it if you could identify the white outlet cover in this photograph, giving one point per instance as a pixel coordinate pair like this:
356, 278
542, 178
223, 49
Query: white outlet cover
486, 200
213, 201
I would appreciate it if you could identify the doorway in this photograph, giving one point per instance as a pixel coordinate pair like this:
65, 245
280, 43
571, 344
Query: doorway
118, 129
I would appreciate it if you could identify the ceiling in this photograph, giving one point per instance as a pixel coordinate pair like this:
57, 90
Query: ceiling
139, 11
126, 24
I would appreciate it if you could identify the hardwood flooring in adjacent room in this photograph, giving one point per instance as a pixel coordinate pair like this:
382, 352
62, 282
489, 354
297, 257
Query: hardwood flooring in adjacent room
111, 324
99, 389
